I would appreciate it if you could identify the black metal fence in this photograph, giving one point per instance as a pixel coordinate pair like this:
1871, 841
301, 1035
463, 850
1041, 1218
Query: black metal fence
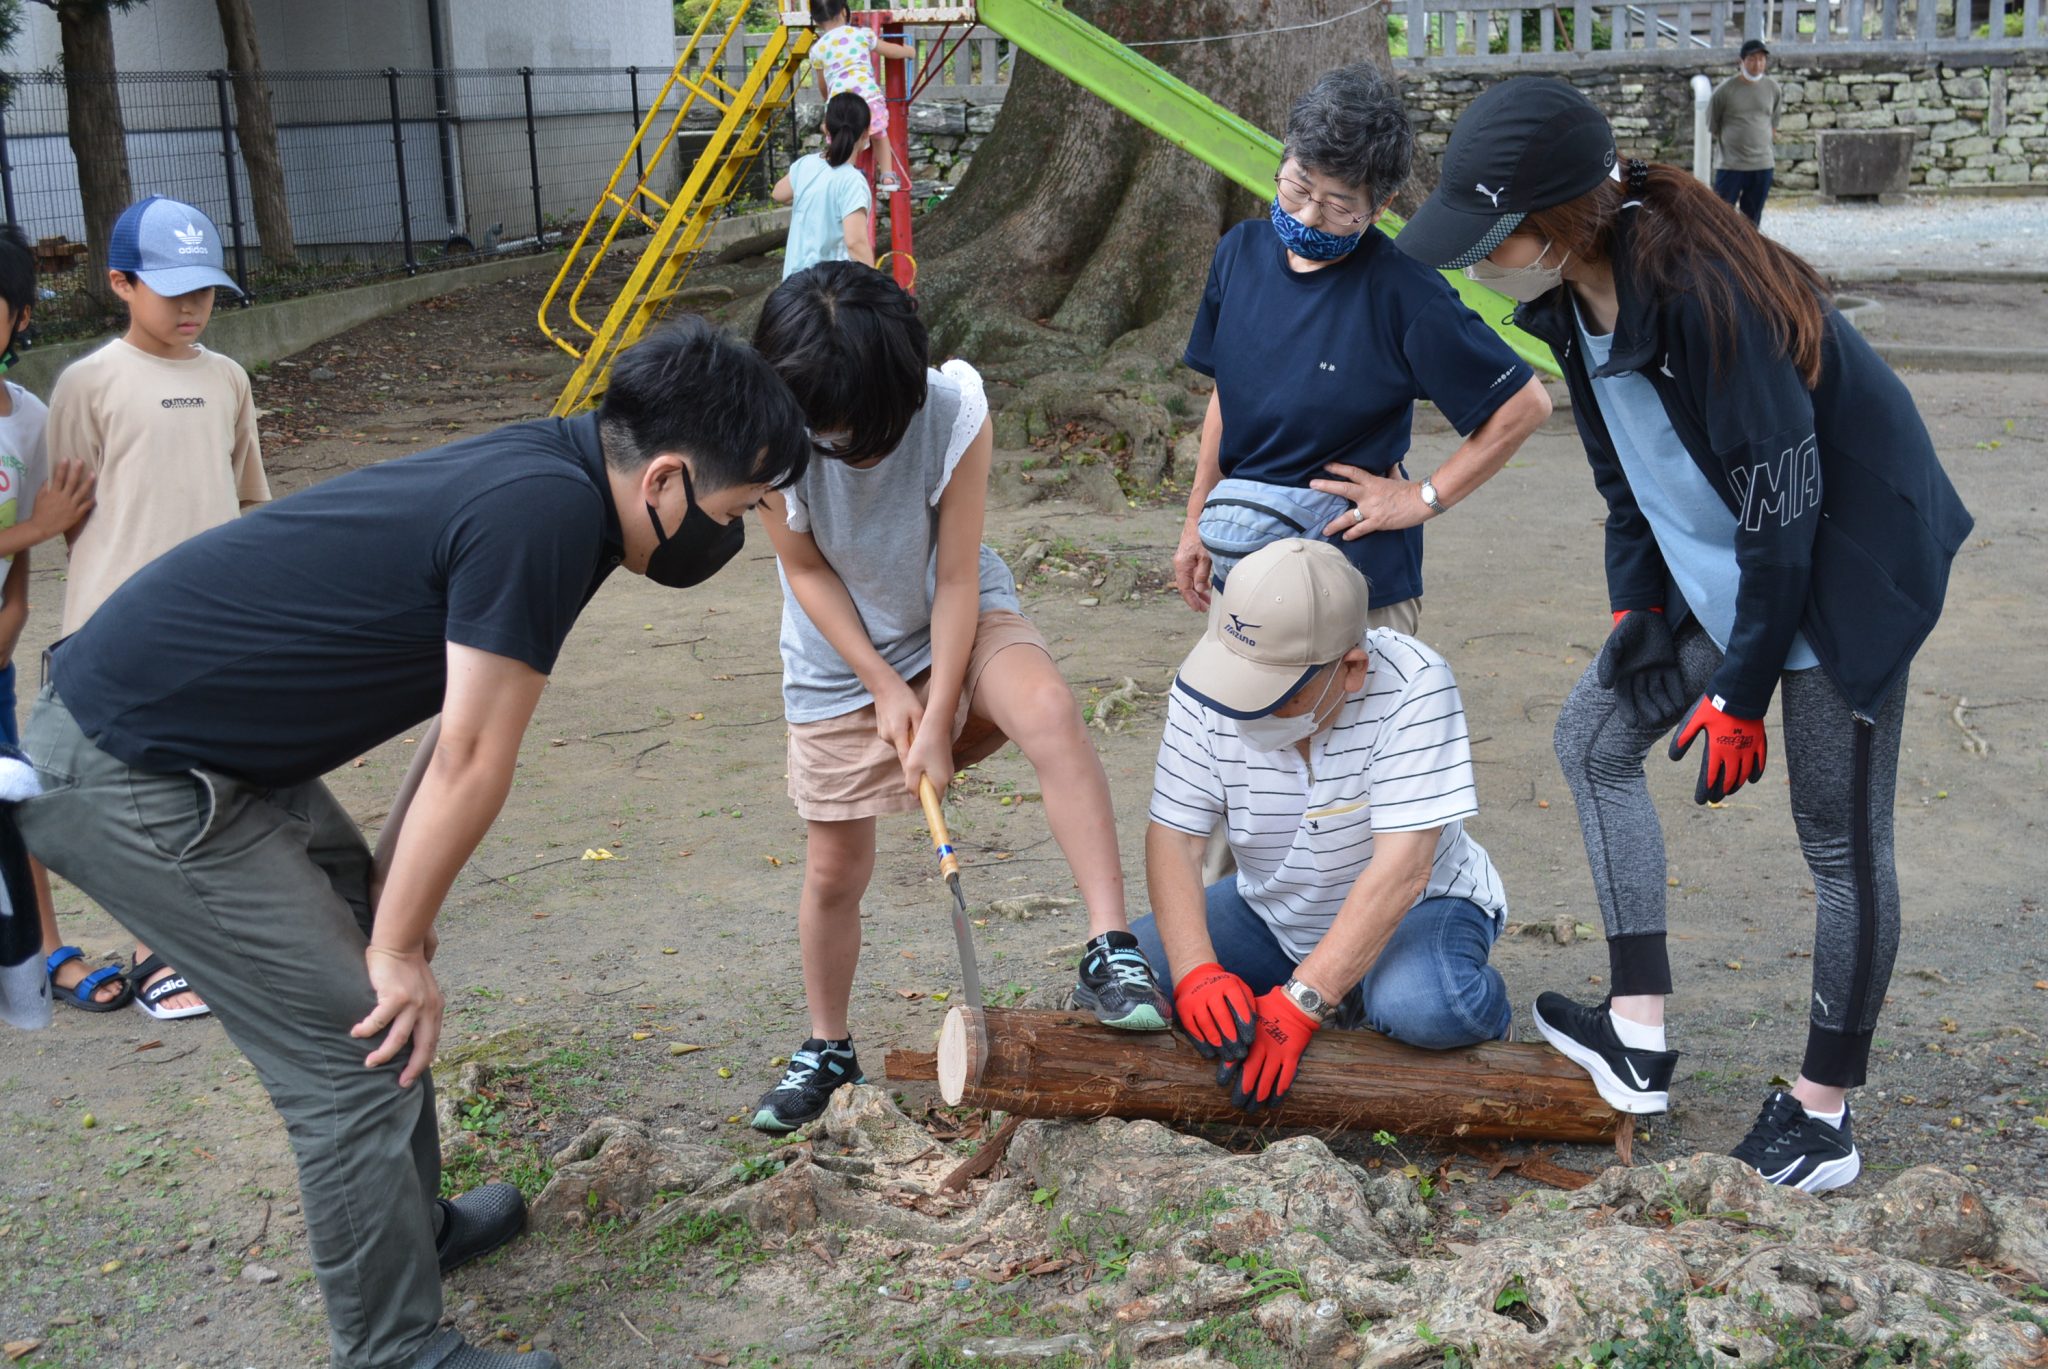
384, 171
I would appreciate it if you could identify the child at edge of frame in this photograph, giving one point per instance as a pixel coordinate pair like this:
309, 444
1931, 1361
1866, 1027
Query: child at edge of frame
842, 60
169, 429
890, 678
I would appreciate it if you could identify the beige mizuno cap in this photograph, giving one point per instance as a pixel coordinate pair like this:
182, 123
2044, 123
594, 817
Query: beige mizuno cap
1287, 609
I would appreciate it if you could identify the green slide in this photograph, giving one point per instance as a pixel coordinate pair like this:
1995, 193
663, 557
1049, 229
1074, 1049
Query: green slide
1188, 119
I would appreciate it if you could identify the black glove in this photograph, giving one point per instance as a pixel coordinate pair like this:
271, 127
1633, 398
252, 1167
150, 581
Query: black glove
1640, 664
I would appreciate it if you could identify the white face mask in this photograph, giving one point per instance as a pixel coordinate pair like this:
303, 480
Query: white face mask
1270, 734
1523, 284
1749, 75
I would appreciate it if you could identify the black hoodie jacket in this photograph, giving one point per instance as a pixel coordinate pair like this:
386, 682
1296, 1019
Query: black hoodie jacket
1846, 523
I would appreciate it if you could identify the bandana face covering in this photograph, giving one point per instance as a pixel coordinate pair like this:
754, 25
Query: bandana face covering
1311, 243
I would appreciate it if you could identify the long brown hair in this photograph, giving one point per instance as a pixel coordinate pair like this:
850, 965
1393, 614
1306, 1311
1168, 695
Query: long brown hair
1688, 240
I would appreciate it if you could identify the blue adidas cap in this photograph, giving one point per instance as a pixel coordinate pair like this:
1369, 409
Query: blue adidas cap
173, 247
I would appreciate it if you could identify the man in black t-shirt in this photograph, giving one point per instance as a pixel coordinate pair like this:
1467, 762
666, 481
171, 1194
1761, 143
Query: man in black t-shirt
183, 733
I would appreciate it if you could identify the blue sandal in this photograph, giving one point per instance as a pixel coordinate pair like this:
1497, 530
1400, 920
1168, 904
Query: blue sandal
80, 995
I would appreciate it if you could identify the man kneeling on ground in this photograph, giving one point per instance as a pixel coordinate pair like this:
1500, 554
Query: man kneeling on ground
1338, 761
183, 732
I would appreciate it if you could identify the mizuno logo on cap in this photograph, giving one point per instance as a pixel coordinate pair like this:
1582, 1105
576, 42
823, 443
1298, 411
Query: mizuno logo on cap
1238, 628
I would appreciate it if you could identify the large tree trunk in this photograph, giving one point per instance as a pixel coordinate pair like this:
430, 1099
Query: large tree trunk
256, 131
1053, 1064
1077, 232
99, 140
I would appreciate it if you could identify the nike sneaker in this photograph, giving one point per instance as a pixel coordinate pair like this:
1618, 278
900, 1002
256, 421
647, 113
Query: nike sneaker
1630, 1080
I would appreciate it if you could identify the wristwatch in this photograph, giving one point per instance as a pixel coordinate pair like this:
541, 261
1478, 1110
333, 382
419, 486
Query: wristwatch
1309, 1000
1429, 495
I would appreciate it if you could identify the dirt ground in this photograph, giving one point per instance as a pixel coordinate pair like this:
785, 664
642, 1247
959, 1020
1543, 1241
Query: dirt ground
1956, 314
148, 1176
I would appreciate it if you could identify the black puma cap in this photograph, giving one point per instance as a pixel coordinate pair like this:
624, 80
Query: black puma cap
1526, 144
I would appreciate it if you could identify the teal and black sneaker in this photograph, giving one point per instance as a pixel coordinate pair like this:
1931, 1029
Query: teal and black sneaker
815, 1069
1117, 985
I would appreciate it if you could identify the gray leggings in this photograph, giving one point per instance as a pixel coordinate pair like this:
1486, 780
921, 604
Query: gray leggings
1844, 770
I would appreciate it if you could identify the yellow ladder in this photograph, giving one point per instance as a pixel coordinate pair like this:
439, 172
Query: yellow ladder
680, 226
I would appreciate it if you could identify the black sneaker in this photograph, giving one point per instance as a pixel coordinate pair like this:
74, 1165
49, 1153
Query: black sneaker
815, 1070
1788, 1147
1630, 1080
1116, 985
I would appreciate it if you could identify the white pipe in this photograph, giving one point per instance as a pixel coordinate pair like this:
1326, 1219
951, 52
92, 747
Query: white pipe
1702, 141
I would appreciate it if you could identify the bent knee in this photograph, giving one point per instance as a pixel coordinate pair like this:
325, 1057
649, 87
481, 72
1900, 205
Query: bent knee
1046, 714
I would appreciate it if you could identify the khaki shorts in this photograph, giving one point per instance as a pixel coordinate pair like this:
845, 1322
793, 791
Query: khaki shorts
840, 769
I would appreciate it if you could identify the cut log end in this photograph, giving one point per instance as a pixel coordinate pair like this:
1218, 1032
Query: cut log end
963, 1052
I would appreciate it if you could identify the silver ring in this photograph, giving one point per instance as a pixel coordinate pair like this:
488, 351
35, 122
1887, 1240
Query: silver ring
1358, 515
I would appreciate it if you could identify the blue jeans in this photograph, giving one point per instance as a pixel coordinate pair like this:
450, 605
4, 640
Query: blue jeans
1431, 986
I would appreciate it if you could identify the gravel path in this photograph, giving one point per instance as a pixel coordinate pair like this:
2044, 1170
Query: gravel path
1948, 231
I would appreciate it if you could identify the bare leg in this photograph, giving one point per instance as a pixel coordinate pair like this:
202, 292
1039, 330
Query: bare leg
838, 862
1025, 695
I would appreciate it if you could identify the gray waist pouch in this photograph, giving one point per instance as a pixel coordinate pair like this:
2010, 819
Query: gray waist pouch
1243, 515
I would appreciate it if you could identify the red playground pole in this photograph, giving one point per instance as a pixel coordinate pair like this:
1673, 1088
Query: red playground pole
896, 91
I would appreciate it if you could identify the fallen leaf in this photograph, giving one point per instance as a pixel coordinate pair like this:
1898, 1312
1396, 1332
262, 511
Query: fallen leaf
597, 853
696, 717
641, 1036
15, 1349
725, 1072
686, 854
111, 1267
682, 1048
558, 741
2041, 984
668, 950
148, 1046
1734, 964
909, 993
1950, 1025
776, 861
1543, 803
941, 996
720, 1358
721, 677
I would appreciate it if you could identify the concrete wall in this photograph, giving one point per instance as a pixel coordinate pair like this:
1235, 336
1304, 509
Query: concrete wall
184, 35
551, 33
316, 35
1980, 124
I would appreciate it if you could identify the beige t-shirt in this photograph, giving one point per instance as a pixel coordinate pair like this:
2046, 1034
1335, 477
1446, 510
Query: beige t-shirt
174, 445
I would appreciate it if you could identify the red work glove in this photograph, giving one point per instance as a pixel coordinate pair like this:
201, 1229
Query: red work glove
1215, 1009
1279, 1036
1735, 749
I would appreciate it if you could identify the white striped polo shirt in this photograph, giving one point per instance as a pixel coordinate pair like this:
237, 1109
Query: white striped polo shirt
1398, 758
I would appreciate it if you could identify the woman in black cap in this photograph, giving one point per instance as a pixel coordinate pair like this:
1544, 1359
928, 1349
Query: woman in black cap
1777, 520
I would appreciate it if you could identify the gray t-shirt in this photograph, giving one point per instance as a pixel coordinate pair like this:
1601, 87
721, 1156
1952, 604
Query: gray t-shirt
24, 460
875, 527
1741, 116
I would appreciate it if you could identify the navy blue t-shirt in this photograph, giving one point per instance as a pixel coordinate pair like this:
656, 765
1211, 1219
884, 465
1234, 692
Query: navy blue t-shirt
1326, 365
279, 646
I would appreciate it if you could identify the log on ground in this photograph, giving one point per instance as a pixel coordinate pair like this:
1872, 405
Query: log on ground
1057, 1064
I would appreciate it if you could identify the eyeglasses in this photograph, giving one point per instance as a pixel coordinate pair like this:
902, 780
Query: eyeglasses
1295, 197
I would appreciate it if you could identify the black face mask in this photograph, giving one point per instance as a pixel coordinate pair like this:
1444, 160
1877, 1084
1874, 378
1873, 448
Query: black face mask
699, 548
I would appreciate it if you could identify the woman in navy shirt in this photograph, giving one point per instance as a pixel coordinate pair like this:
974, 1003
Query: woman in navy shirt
1321, 337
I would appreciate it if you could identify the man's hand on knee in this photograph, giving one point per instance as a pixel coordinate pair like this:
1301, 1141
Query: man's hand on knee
408, 1009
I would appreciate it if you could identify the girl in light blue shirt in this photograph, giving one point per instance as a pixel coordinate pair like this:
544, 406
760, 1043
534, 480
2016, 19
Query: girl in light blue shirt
830, 197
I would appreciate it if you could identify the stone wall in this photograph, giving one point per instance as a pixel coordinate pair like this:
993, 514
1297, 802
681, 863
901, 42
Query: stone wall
1983, 122
1980, 123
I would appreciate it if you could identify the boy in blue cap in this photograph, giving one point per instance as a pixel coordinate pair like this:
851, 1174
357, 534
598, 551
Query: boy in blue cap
169, 428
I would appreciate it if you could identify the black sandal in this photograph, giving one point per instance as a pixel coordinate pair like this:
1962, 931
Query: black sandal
148, 996
81, 994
